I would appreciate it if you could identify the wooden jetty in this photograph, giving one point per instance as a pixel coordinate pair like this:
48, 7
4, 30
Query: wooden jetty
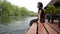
44, 28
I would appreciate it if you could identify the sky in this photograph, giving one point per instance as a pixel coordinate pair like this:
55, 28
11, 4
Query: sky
29, 4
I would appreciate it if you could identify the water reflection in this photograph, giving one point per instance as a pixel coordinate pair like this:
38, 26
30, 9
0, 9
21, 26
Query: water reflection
8, 19
5, 19
16, 25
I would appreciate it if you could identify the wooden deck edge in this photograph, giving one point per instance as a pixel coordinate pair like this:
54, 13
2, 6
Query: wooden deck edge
32, 29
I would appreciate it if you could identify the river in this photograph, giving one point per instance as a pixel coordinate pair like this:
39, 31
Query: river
20, 26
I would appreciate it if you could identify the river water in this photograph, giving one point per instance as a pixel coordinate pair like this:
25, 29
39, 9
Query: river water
20, 26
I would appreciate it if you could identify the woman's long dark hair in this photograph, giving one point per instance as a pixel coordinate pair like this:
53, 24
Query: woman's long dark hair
40, 4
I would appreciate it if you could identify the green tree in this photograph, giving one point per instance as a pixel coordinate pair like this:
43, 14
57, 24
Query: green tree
11, 10
50, 10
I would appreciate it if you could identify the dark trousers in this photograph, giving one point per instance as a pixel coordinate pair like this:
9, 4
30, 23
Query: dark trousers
42, 20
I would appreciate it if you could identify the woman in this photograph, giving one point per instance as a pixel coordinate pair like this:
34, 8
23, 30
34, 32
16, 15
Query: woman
41, 17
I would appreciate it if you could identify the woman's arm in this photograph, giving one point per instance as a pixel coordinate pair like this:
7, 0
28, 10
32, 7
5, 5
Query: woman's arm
39, 14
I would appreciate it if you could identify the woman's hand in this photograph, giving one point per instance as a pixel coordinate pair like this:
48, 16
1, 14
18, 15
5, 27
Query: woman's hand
38, 21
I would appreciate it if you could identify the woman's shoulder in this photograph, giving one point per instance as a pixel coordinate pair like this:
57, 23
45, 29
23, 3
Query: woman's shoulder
40, 8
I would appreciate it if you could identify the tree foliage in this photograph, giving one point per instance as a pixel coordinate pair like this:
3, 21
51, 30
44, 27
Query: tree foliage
52, 10
7, 9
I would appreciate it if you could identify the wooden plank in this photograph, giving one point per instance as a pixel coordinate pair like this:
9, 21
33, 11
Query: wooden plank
32, 29
41, 29
55, 26
49, 29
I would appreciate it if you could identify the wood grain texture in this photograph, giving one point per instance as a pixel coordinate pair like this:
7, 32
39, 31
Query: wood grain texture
32, 29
